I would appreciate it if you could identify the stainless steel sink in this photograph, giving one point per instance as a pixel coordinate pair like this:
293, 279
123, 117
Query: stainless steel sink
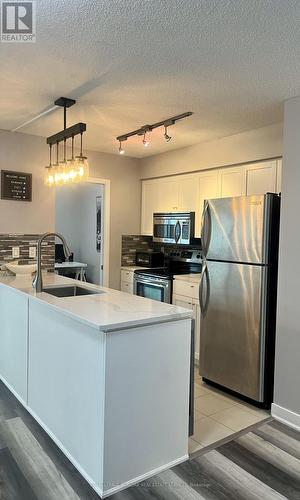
70, 291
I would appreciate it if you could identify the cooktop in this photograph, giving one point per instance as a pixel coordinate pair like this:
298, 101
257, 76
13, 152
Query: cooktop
169, 272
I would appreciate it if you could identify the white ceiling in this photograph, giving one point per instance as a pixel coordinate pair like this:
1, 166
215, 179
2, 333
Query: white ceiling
132, 62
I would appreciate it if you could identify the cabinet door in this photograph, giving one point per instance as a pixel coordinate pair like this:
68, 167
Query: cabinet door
232, 182
208, 188
279, 176
127, 276
13, 340
261, 177
188, 193
126, 287
181, 301
149, 202
160, 195
189, 198
168, 195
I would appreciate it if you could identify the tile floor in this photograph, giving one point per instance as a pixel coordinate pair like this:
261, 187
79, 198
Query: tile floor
219, 415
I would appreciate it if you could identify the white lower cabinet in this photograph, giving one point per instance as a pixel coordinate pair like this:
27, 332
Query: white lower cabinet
189, 301
13, 341
126, 287
127, 280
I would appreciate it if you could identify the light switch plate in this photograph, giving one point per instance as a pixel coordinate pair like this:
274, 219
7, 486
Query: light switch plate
32, 252
15, 252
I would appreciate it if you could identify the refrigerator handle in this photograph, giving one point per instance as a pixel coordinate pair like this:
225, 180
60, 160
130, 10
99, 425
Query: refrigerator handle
205, 228
204, 307
201, 288
207, 291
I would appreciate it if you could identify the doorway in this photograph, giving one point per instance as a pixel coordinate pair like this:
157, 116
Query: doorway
80, 216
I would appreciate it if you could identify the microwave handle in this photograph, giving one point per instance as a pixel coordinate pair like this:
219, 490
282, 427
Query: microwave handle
179, 232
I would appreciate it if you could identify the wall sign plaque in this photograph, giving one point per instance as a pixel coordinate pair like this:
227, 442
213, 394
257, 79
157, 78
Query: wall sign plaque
16, 186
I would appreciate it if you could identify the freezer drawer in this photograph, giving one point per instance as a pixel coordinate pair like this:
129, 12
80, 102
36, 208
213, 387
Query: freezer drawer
233, 323
237, 229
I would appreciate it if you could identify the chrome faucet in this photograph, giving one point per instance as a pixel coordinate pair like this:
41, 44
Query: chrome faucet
37, 282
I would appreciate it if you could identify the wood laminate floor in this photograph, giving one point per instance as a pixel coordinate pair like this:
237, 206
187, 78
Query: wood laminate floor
261, 463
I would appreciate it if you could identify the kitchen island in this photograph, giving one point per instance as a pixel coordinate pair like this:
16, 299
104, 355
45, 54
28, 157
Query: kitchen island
106, 375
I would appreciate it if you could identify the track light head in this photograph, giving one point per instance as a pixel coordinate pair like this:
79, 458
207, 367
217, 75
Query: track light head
146, 143
121, 150
166, 136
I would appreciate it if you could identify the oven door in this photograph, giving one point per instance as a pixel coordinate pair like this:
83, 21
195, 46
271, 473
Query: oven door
152, 288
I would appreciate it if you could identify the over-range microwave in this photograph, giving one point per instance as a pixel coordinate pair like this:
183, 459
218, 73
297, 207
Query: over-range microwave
174, 227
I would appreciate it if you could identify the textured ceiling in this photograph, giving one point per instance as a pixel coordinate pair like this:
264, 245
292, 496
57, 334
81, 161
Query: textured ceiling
132, 62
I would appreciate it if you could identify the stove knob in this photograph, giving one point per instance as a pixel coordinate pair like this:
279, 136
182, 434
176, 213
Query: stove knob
198, 256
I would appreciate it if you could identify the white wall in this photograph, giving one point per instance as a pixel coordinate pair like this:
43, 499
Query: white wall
75, 218
287, 369
28, 153
252, 145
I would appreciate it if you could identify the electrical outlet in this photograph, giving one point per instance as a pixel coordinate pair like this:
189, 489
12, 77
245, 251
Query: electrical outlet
15, 252
32, 252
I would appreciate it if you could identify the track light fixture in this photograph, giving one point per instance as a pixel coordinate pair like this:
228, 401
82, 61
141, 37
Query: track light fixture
148, 128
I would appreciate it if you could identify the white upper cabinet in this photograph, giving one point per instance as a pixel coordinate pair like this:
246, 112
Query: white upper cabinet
261, 177
159, 195
208, 188
232, 182
186, 193
148, 207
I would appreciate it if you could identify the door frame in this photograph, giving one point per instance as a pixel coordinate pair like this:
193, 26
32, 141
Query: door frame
106, 225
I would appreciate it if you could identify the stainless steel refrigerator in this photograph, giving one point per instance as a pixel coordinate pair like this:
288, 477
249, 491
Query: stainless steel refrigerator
238, 294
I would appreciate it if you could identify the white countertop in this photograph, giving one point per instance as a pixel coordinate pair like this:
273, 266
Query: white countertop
191, 278
110, 310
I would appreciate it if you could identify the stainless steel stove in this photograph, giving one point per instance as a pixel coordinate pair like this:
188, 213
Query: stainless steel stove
156, 283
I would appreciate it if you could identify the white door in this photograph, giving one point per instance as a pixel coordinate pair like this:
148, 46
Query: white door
232, 182
261, 177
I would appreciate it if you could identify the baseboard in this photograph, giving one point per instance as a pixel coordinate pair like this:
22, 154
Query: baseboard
286, 416
141, 478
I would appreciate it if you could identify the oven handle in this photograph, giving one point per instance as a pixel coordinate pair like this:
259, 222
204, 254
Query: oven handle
155, 282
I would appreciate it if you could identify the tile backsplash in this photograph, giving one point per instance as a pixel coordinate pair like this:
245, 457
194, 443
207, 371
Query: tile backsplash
135, 243
24, 241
